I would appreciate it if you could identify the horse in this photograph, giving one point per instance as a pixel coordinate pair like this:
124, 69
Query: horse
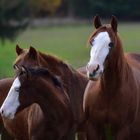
3, 94
112, 96
74, 82
41, 86
26, 123
33, 58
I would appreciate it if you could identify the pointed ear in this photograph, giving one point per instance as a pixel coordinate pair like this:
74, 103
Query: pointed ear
114, 23
97, 21
19, 50
32, 53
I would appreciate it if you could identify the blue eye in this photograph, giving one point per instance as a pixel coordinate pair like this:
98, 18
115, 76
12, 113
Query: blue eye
17, 89
111, 45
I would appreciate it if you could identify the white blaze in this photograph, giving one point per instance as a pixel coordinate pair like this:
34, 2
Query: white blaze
11, 103
99, 51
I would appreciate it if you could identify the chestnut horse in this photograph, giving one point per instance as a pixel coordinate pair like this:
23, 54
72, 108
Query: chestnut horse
5, 85
44, 88
112, 96
26, 123
74, 82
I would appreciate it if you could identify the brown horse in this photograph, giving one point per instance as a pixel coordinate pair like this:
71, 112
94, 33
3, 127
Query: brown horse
74, 82
26, 123
3, 93
112, 96
42, 87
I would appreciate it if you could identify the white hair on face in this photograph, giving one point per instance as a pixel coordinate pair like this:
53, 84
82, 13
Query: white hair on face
99, 51
11, 103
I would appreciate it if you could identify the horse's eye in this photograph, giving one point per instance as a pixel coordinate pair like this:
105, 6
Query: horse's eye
111, 44
17, 89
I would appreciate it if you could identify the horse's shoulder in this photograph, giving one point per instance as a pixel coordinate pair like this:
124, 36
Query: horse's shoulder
91, 90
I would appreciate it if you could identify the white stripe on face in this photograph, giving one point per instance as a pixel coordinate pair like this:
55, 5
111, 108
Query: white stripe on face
11, 103
99, 51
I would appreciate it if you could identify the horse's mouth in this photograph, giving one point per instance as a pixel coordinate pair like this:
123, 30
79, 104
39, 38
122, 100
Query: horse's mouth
93, 78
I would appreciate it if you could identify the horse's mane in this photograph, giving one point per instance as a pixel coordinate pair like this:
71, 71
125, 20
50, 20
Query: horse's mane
103, 28
55, 61
44, 72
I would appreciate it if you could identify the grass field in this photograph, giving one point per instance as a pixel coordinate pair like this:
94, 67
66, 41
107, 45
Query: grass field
67, 42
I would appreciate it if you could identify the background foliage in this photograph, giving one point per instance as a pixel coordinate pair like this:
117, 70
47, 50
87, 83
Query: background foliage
14, 15
13, 18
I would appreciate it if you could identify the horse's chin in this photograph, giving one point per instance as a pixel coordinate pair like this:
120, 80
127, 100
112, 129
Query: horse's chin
94, 77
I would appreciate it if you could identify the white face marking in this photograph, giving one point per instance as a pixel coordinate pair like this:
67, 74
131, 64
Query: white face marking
99, 51
11, 103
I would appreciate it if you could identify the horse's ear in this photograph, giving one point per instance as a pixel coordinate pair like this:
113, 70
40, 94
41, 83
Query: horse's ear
97, 21
114, 23
18, 50
32, 53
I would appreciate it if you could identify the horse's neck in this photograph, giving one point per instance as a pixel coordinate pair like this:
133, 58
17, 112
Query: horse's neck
75, 88
52, 106
52, 63
74, 82
116, 71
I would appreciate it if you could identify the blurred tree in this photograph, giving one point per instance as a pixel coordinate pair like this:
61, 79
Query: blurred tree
13, 18
45, 7
125, 9
79, 8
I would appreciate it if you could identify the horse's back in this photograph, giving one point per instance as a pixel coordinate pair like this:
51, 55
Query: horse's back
133, 56
133, 60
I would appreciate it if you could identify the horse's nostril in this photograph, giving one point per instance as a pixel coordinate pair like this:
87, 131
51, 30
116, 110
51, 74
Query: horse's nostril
97, 67
90, 75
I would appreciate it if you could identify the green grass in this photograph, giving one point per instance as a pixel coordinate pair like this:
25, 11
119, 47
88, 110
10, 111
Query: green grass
67, 42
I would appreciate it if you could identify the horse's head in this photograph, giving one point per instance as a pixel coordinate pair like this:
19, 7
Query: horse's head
34, 58
102, 41
30, 86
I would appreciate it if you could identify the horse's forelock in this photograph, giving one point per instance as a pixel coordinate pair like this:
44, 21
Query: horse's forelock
44, 72
97, 31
